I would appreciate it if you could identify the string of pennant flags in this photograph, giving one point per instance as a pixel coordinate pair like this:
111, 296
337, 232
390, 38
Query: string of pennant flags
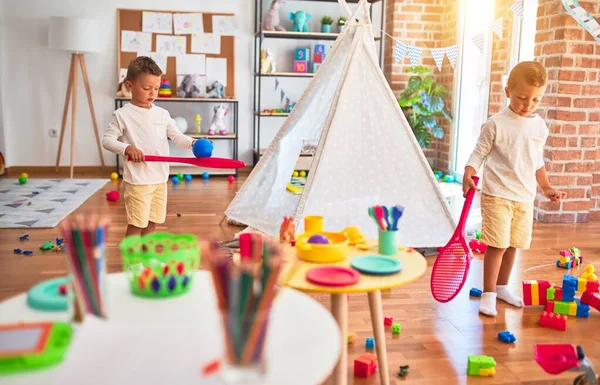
282, 93
403, 50
582, 17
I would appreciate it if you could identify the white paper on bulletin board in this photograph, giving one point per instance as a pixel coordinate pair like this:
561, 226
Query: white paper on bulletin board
134, 41
122, 75
171, 45
188, 23
159, 58
216, 70
208, 43
157, 22
191, 64
224, 25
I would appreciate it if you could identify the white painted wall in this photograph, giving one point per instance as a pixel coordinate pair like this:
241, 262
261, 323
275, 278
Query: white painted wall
34, 77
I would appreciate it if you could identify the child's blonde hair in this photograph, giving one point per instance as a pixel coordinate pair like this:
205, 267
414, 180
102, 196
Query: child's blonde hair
530, 72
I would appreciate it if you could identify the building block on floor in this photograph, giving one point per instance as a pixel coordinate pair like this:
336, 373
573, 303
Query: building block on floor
474, 292
365, 365
483, 366
301, 66
592, 286
554, 293
570, 285
396, 327
591, 299
370, 343
387, 321
574, 308
534, 292
506, 337
554, 321
352, 337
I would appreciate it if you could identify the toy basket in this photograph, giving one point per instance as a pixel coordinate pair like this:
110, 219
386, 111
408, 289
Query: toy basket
160, 264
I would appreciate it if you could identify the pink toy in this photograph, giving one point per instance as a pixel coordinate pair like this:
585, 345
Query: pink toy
112, 195
200, 162
477, 246
591, 299
62, 289
230, 179
301, 66
555, 359
387, 321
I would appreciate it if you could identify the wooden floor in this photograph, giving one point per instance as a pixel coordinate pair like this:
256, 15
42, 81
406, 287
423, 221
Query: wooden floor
435, 338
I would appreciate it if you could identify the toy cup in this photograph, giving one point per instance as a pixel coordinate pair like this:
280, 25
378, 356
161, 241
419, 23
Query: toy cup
313, 224
389, 241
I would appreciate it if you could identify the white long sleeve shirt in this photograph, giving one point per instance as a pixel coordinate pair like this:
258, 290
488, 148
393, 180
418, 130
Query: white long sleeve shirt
147, 129
512, 147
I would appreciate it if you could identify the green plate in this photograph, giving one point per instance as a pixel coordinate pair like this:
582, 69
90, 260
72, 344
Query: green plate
377, 265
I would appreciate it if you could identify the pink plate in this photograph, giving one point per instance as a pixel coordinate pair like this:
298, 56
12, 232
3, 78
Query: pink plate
333, 276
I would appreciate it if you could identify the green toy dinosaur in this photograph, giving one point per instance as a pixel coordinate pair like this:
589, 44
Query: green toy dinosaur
300, 19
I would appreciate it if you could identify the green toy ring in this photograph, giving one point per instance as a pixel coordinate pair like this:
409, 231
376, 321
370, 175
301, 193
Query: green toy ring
46, 296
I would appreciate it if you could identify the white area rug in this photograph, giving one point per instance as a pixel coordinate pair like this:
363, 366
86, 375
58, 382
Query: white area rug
51, 200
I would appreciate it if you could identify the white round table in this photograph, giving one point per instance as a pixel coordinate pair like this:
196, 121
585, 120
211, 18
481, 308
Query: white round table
168, 341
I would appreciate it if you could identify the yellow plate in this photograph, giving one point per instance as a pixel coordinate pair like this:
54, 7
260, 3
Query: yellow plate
335, 251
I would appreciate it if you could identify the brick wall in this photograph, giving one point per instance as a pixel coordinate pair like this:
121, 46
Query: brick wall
500, 64
571, 108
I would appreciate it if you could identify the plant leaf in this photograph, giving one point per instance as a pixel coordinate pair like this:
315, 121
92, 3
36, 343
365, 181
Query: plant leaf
437, 131
439, 90
421, 70
427, 83
414, 83
446, 114
429, 121
436, 104
420, 109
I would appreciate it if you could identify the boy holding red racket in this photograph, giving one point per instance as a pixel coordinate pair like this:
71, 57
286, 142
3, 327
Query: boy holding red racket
512, 145
143, 129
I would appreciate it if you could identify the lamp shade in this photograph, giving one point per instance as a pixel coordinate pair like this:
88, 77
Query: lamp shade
71, 34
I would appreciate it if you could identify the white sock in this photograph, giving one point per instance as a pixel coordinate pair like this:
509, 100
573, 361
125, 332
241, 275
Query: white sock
507, 296
487, 304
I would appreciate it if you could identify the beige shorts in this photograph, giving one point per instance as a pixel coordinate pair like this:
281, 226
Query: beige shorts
145, 203
506, 223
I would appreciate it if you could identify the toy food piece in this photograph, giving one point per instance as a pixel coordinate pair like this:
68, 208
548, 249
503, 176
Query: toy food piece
318, 239
203, 148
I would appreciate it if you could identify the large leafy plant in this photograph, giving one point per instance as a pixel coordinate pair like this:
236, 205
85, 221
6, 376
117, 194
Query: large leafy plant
423, 105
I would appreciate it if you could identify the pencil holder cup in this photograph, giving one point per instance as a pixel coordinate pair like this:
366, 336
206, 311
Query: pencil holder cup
313, 224
389, 241
160, 264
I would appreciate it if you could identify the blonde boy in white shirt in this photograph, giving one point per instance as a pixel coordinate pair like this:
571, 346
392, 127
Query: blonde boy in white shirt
143, 129
512, 145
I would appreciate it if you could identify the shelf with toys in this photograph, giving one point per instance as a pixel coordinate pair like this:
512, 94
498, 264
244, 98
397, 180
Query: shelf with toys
286, 74
302, 35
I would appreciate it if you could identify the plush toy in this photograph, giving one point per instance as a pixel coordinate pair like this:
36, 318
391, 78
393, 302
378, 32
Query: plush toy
267, 62
123, 92
272, 22
287, 230
190, 87
300, 19
218, 121
216, 91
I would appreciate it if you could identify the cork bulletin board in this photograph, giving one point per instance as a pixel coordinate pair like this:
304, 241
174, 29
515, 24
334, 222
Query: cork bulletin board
131, 20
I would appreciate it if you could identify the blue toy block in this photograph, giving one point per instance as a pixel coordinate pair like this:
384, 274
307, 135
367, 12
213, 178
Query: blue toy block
320, 48
569, 287
17, 251
370, 344
474, 292
316, 67
27, 252
302, 54
59, 241
24, 237
506, 337
583, 310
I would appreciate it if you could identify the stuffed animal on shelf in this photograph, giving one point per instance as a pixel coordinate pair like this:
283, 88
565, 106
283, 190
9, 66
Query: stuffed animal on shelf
267, 62
123, 92
272, 22
190, 87
300, 19
216, 91
218, 121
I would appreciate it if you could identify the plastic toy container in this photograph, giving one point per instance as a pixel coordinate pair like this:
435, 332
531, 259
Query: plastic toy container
335, 251
160, 264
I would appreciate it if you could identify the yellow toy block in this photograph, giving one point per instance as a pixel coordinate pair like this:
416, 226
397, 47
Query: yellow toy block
581, 284
487, 372
573, 308
535, 293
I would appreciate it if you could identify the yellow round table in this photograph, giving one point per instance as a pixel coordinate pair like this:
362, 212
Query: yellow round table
413, 267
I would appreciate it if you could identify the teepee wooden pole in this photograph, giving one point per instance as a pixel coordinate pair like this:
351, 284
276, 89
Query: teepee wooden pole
76, 57
88, 91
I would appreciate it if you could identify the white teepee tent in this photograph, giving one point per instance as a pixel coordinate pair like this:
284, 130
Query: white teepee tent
367, 154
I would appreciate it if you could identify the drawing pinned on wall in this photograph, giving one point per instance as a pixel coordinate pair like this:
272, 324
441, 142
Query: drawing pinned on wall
134, 41
122, 75
159, 58
188, 23
224, 25
208, 43
171, 45
216, 70
157, 22
191, 65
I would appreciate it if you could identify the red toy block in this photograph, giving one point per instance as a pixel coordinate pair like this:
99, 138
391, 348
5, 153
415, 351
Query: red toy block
365, 365
388, 321
554, 321
535, 292
591, 299
593, 286
301, 66
318, 58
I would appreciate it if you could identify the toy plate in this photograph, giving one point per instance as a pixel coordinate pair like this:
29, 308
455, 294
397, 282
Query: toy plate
333, 276
377, 265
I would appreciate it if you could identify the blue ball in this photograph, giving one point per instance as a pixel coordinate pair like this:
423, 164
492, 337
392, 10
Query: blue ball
175, 180
205, 175
203, 148
187, 177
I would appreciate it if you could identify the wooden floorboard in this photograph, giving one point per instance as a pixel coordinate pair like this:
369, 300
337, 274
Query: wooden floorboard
435, 339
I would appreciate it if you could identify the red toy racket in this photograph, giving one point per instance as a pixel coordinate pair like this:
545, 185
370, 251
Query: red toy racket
201, 162
452, 264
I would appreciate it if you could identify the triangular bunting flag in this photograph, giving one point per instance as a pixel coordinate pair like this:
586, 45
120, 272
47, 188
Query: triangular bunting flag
478, 40
414, 53
438, 56
276, 83
497, 27
452, 53
400, 52
517, 8
282, 96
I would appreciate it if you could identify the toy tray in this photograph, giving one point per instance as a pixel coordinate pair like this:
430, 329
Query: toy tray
556, 358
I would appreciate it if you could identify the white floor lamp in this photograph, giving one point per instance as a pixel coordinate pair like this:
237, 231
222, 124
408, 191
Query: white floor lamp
76, 36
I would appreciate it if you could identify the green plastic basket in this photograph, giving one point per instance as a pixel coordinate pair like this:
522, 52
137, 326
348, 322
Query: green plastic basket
160, 264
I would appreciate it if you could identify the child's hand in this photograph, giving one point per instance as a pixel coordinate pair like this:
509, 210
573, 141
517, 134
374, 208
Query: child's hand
468, 183
135, 154
554, 195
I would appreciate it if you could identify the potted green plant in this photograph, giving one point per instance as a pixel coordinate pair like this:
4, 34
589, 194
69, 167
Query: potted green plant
423, 105
326, 22
341, 23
